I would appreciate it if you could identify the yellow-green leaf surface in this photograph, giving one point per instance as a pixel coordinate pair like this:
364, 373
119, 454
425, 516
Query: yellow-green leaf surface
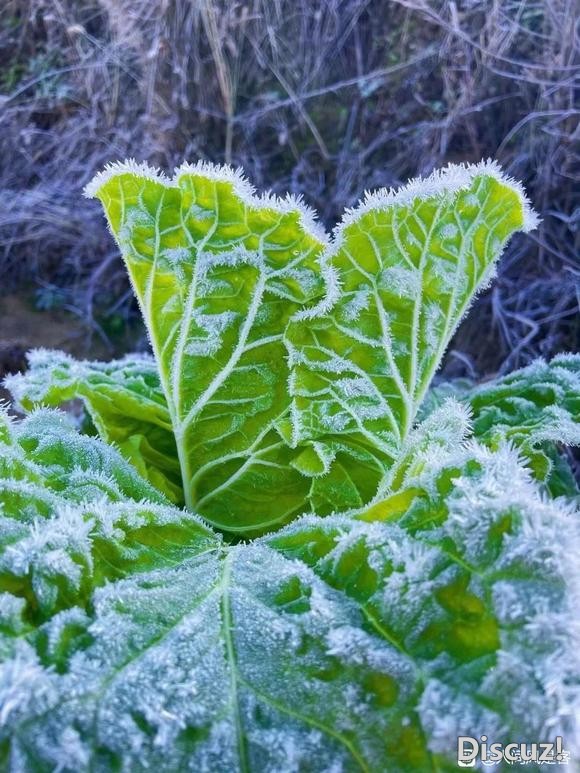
218, 273
406, 264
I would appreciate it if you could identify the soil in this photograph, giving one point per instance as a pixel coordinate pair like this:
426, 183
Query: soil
22, 327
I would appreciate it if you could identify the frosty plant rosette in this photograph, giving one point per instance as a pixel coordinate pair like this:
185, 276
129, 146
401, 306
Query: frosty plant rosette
271, 546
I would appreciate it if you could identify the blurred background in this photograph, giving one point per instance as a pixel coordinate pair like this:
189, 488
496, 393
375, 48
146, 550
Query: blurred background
321, 97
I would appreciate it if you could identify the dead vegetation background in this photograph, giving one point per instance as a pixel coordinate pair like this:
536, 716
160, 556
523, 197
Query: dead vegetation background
321, 97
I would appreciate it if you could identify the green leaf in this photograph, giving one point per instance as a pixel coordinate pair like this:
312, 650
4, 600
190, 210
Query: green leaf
437, 395
132, 638
445, 431
46, 451
530, 406
407, 266
443, 603
218, 273
534, 408
124, 400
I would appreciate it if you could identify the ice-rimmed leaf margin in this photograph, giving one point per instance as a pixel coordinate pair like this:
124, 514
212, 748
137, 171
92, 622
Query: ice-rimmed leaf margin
536, 408
409, 263
133, 638
124, 401
75, 514
218, 272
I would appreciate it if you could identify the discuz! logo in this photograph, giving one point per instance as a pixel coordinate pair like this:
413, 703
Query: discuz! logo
471, 750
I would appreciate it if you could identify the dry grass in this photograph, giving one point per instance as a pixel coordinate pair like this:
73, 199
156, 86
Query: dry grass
323, 97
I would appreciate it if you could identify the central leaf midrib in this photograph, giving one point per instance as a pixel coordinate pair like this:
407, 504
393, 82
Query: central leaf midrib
227, 628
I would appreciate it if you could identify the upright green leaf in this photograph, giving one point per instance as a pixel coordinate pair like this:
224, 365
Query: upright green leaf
408, 265
124, 399
218, 273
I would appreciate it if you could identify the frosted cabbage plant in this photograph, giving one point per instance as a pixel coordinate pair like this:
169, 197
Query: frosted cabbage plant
270, 546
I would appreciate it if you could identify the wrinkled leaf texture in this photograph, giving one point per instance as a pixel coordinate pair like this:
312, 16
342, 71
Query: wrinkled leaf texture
410, 581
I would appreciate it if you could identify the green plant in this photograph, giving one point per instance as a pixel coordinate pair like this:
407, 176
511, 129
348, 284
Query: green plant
405, 577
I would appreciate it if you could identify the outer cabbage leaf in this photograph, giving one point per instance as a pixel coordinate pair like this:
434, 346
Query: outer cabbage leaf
408, 264
218, 274
530, 406
44, 455
124, 400
134, 639
534, 408
75, 514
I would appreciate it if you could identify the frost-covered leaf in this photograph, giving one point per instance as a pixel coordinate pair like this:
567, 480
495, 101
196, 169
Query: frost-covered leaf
225, 280
218, 273
530, 406
442, 433
437, 395
124, 399
340, 643
408, 265
45, 455
134, 638
74, 513
533, 408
